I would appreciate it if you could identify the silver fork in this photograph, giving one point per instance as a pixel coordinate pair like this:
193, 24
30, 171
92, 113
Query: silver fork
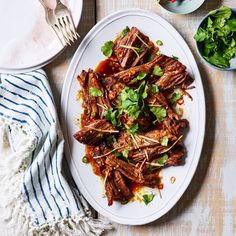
66, 22
52, 21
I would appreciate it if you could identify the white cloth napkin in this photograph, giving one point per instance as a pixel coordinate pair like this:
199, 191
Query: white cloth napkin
35, 197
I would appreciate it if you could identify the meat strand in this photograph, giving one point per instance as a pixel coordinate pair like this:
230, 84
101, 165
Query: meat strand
95, 132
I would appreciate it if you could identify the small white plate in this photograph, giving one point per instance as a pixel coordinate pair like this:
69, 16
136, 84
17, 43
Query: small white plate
27, 42
87, 56
181, 6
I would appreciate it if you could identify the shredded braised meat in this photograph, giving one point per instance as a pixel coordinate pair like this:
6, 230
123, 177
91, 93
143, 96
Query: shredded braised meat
131, 123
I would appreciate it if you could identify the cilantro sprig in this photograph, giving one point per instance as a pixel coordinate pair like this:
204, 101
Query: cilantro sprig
159, 112
125, 153
125, 31
147, 198
107, 48
217, 37
157, 71
154, 88
95, 92
139, 77
162, 160
131, 101
112, 116
164, 141
175, 97
133, 129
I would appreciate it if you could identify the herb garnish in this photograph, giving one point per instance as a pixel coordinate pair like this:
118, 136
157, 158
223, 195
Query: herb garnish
125, 31
140, 76
162, 160
164, 141
107, 48
117, 154
125, 153
175, 97
157, 71
133, 129
131, 100
159, 112
154, 88
217, 37
112, 116
95, 92
147, 198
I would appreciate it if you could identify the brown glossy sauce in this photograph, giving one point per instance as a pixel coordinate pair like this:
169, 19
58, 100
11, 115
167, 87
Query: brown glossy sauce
135, 186
108, 67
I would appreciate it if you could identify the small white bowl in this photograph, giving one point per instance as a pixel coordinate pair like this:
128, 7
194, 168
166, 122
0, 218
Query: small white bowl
181, 6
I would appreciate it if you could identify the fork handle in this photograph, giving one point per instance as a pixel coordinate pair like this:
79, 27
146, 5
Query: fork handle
43, 4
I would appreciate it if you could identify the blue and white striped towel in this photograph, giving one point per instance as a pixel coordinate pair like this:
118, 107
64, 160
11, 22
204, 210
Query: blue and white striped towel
35, 197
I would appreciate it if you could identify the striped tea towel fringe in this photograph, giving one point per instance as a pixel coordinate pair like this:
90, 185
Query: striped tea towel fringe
35, 197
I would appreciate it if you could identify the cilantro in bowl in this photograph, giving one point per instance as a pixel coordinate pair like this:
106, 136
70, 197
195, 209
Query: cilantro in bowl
216, 37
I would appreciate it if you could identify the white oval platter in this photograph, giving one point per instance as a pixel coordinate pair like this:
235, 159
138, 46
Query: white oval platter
87, 56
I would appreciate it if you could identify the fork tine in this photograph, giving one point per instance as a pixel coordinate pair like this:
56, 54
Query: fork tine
59, 34
64, 33
65, 22
71, 23
68, 29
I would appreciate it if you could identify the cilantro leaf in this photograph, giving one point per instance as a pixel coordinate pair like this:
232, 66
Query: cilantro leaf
133, 129
154, 88
112, 116
159, 112
218, 60
107, 48
131, 101
140, 76
125, 153
142, 90
147, 198
125, 31
175, 97
224, 12
95, 92
201, 35
157, 71
117, 154
164, 141
162, 160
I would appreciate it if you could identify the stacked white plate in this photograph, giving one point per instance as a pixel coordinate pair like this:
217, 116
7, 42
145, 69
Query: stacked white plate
27, 42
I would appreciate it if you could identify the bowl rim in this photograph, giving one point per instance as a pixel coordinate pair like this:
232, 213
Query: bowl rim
197, 44
180, 13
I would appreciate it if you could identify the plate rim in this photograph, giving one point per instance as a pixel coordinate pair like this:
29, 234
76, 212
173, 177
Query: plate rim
201, 103
50, 59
